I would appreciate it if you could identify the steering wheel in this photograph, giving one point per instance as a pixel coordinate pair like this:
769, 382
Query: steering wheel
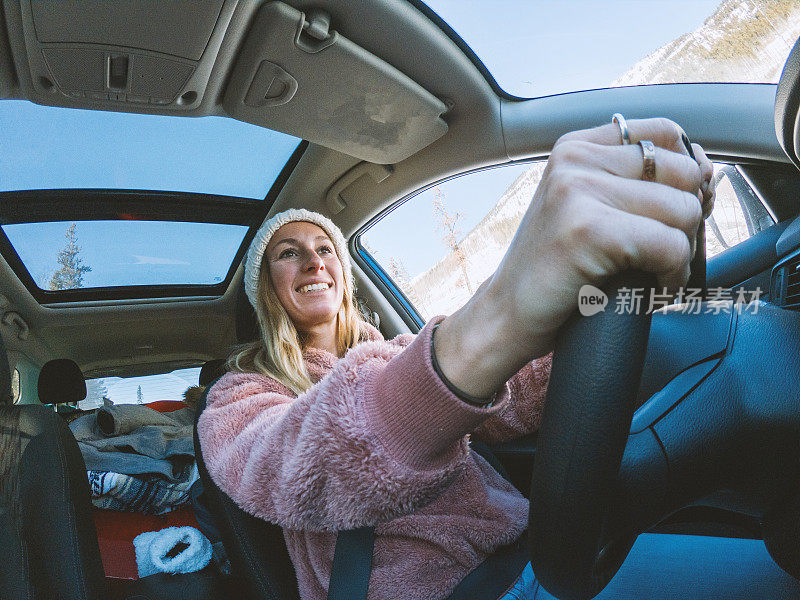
597, 366
725, 418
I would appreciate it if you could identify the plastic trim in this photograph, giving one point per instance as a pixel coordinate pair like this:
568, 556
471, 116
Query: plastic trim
756, 191
778, 286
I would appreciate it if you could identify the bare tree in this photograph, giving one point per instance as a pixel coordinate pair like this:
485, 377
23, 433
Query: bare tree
399, 273
448, 223
139, 395
69, 275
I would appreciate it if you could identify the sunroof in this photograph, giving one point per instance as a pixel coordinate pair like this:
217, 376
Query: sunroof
92, 254
542, 47
61, 148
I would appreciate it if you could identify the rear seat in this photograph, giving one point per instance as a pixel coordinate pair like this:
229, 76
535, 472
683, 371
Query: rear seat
61, 381
60, 384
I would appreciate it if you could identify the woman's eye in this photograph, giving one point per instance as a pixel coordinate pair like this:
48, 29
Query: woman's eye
326, 249
287, 253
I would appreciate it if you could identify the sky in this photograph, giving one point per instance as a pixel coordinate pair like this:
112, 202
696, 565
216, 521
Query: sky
542, 47
131, 252
44, 147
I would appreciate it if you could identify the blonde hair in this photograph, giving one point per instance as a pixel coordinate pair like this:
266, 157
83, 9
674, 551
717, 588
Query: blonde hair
278, 353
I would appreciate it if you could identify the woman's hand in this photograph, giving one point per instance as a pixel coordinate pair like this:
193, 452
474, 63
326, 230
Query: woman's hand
592, 216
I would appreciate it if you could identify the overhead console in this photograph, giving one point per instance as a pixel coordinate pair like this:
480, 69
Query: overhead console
119, 54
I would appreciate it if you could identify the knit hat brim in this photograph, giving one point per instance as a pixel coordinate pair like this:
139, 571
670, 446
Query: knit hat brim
255, 253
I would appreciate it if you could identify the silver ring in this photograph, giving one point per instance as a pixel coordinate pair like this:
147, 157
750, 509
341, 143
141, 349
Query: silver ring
623, 128
648, 160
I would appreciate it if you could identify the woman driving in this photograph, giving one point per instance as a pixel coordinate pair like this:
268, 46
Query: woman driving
321, 425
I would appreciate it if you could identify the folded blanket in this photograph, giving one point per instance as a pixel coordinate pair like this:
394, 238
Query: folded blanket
123, 418
146, 494
171, 550
148, 442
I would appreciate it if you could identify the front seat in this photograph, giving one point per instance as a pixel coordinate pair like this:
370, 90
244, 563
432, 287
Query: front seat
47, 534
257, 551
259, 559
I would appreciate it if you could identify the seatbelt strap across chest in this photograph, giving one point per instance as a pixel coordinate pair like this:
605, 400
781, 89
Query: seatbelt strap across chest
352, 563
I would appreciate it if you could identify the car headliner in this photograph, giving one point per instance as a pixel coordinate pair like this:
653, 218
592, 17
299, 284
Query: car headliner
139, 336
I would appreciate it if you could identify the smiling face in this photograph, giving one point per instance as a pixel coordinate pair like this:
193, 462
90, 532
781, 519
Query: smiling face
306, 274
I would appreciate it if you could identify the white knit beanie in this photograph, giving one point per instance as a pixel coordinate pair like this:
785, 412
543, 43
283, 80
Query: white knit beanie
252, 260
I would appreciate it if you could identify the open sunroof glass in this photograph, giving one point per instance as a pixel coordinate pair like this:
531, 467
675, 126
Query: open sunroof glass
101, 254
45, 147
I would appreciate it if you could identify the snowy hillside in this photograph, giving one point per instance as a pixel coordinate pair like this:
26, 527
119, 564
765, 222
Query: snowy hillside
441, 289
744, 40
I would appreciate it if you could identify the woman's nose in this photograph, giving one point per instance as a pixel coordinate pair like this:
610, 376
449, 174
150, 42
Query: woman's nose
314, 262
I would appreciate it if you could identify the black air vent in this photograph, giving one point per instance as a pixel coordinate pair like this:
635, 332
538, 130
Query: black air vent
786, 282
792, 275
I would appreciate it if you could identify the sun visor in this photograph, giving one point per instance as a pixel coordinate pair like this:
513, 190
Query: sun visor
295, 74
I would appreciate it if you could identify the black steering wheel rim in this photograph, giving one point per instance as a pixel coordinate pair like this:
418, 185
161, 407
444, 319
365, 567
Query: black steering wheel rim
597, 366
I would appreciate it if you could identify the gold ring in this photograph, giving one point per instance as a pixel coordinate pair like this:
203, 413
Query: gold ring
648, 160
623, 128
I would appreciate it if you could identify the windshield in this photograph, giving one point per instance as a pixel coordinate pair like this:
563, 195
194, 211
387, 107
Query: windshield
538, 48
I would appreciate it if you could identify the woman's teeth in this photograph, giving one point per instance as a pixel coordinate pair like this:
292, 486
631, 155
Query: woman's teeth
314, 287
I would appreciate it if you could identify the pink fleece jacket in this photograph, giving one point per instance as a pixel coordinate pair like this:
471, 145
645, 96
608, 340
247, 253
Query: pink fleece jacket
378, 440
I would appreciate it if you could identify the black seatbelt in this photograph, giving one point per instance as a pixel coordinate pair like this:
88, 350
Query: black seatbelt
492, 578
352, 563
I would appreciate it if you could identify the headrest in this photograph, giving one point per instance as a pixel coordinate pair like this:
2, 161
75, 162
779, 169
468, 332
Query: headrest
61, 380
6, 397
211, 370
787, 106
246, 320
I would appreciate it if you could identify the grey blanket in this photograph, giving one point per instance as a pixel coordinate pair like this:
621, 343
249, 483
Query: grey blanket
136, 440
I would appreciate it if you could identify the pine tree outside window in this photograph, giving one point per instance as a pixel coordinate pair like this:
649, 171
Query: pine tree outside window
69, 275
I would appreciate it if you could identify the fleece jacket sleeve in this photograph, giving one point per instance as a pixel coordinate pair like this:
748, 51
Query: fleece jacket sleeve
376, 438
522, 413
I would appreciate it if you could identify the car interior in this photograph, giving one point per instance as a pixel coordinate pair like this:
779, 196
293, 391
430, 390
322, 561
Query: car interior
376, 102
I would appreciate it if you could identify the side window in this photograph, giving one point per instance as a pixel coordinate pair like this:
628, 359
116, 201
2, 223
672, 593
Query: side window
442, 243
738, 213
15, 390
